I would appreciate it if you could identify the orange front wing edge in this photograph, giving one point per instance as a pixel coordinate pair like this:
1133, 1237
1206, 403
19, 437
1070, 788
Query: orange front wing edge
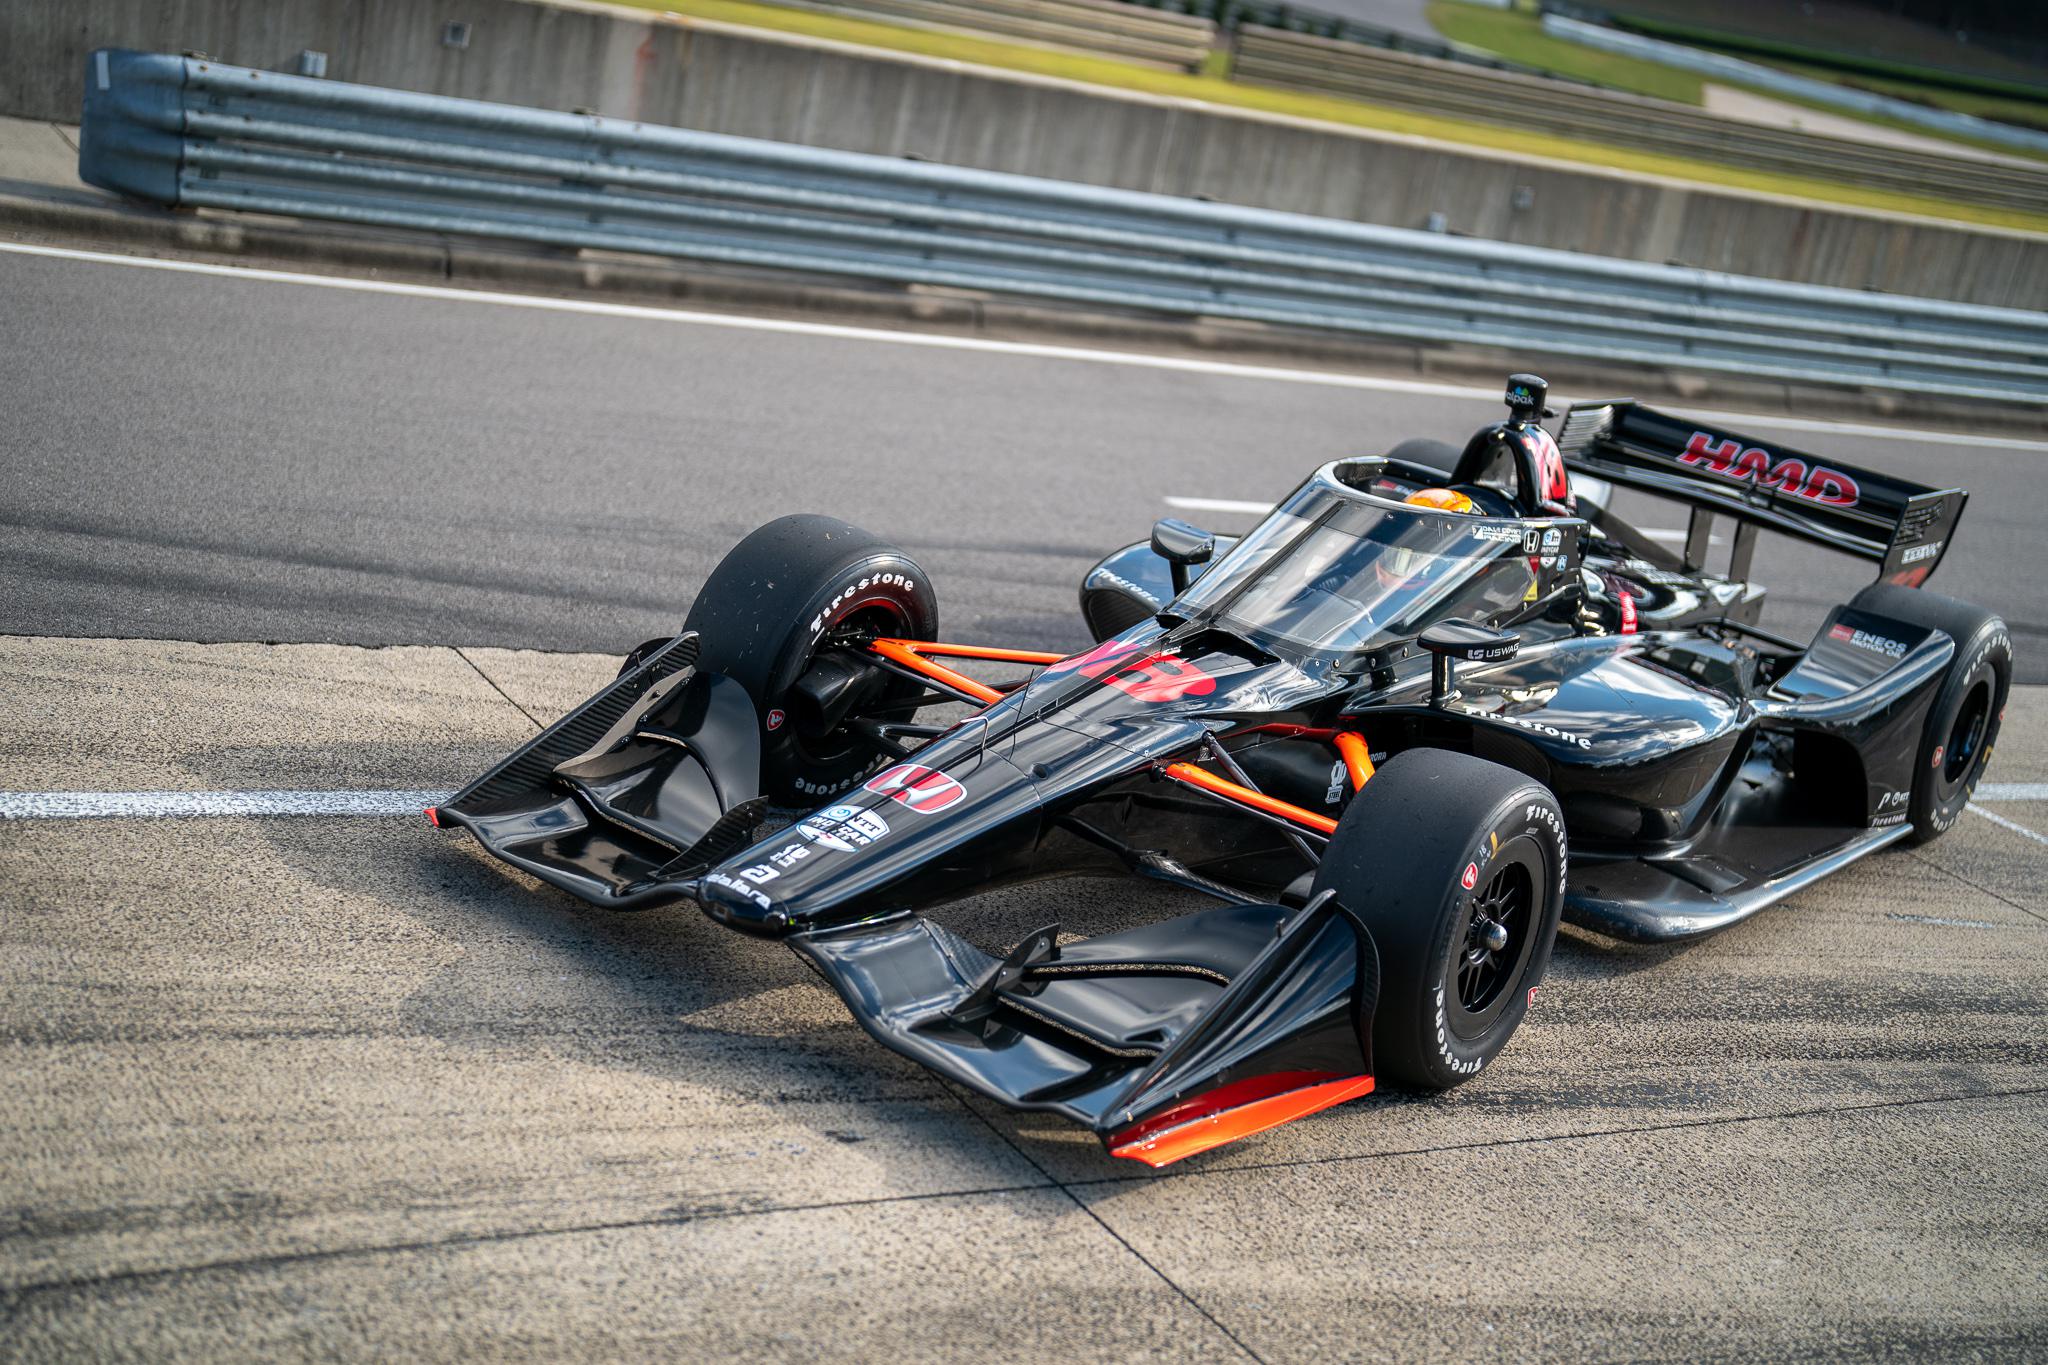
1233, 1112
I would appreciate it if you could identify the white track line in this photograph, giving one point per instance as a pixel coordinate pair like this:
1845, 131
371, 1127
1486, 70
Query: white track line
2012, 791
159, 805
1272, 373
1944, 920
2014, 826
176, 805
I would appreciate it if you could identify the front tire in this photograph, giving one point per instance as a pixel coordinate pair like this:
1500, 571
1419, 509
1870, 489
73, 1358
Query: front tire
776, 603
1963, 720
1456, 867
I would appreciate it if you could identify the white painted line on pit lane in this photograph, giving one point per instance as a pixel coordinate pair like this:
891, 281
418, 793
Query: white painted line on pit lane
1273, 373
160, 805
2014, 826
2011, 791
1944, 920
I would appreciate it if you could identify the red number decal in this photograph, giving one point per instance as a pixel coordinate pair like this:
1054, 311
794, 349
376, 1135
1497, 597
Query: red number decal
1147, 677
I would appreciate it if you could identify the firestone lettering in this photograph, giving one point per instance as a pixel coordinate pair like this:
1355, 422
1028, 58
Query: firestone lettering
1540, 728
898, 581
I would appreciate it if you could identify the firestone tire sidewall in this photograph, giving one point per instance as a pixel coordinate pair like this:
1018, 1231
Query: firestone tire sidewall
1985, 659
1426, 823
1446, 1059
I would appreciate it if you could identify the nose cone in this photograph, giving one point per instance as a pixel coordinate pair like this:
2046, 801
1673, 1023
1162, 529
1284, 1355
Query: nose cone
731, 897
912, 833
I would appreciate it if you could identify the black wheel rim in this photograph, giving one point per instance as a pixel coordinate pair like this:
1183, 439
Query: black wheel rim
874, 619
1491, 947
1965, 747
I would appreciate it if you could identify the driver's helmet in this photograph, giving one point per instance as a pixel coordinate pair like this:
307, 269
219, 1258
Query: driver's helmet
1443, 499
1401, 566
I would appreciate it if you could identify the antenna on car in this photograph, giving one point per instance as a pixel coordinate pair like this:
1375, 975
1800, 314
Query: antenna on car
1526, 397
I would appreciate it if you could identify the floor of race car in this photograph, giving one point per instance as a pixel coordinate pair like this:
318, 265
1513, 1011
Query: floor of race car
277, 1086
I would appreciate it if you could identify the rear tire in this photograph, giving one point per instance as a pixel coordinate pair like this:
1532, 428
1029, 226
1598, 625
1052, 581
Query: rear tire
777, 600
1437, 848
1963, 720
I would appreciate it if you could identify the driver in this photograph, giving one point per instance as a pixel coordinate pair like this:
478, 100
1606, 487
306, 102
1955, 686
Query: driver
1443, 499
1400, 566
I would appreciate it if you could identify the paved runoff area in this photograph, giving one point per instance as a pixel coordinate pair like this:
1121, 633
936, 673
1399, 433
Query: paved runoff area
281, 1084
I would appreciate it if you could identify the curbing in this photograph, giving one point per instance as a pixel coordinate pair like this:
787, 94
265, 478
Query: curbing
442, 259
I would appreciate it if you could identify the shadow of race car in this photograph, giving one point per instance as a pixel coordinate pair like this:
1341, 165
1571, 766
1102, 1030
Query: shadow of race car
1436, 701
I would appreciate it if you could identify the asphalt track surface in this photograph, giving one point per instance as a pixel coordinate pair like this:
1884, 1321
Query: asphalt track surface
285, 1087
207, 457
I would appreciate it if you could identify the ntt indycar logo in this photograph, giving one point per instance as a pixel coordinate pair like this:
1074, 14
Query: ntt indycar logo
1754, 464
845, 828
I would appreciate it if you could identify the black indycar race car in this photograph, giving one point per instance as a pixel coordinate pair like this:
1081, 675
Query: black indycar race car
1433, 703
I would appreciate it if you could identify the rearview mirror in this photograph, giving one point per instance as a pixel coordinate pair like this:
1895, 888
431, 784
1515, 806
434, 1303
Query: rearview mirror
1450, 640
1180, 545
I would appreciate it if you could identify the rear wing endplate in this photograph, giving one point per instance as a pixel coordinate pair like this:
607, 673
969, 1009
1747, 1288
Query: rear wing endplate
1904, 527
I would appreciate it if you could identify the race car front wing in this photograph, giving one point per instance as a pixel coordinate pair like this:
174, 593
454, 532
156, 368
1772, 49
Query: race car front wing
1165, 1040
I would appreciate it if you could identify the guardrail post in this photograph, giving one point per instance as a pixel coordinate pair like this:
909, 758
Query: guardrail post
131, 137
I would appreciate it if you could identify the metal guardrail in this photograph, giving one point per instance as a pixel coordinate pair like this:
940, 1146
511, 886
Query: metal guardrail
194, 133
1298, 62
1103, 28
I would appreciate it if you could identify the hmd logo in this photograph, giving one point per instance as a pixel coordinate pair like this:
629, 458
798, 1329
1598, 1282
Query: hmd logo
1754, 464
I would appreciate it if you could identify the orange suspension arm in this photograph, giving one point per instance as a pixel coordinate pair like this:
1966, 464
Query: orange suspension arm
1271, 805
1356, 756
1008, 656
911, 654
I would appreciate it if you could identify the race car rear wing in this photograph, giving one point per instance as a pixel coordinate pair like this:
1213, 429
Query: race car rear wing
1904, 527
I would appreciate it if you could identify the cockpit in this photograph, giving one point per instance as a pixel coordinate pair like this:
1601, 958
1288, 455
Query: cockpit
1348, 563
